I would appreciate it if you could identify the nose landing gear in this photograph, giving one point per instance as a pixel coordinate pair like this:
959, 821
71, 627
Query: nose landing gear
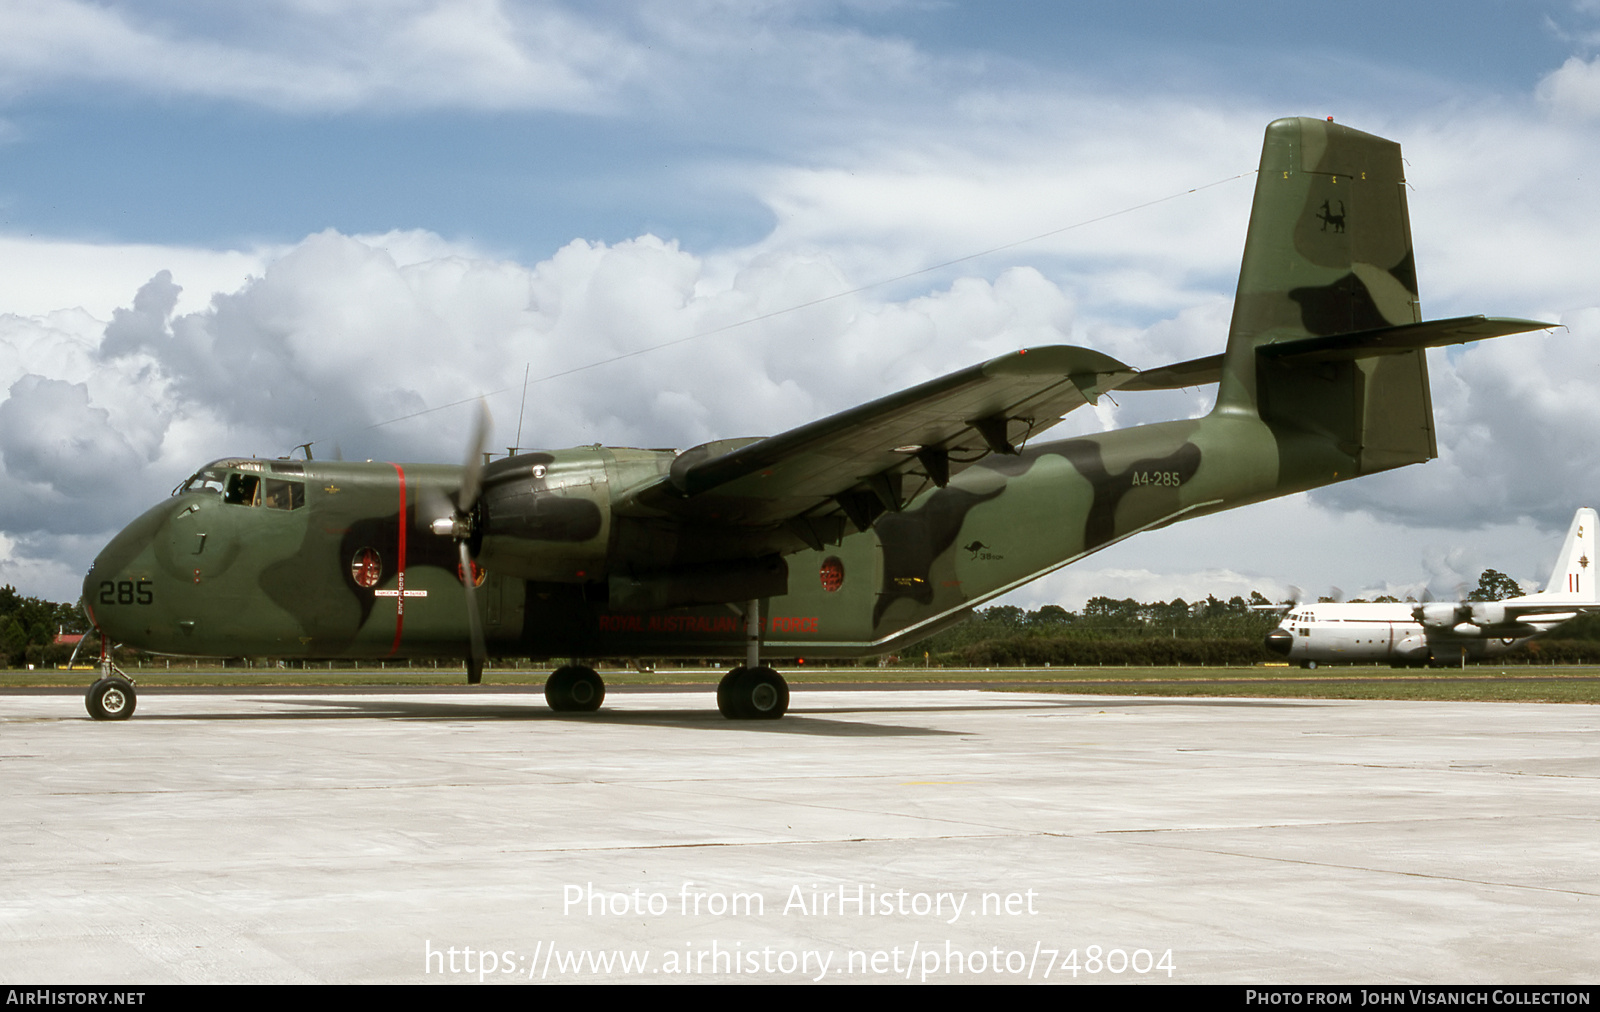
111, 697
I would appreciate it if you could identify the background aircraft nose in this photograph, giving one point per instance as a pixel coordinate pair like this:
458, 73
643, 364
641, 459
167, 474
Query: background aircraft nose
1279, 641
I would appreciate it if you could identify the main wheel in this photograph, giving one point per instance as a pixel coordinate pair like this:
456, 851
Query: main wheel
111, 699
753, 694
574, 689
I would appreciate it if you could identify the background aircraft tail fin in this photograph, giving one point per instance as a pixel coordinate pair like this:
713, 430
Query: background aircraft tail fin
1574, 575
1329, 253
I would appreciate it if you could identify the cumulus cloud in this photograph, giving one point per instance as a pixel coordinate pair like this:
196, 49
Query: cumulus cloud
1573, 89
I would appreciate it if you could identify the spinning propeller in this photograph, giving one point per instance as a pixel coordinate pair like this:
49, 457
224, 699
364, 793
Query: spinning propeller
458, 520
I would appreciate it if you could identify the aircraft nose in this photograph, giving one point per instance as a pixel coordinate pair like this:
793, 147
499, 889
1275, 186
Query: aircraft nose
121, 575
1278, 642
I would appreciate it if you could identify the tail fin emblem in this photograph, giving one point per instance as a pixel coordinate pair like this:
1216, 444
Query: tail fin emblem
1336, 221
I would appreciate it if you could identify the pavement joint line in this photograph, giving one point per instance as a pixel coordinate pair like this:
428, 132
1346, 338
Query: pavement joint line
1382, 871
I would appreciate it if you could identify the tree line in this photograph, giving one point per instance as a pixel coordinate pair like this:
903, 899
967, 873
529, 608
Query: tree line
1109, 631
29, 626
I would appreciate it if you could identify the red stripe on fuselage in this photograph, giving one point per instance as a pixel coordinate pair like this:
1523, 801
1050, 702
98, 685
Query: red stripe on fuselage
400, 566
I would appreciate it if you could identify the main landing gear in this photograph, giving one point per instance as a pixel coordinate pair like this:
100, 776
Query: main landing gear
752, 691
111, 697
574, 689
757, 693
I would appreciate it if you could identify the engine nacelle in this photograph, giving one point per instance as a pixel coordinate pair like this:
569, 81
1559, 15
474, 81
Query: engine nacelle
1440, 616
546, 517
1488, 613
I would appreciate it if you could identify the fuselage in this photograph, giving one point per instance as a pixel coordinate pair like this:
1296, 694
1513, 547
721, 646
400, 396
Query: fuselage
320, 559
1358, 633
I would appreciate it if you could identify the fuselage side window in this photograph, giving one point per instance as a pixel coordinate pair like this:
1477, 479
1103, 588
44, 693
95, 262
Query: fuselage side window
243, 489
284, 495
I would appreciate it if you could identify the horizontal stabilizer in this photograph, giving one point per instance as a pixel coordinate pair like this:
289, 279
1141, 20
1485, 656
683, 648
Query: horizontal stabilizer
1394, 340
1342, 348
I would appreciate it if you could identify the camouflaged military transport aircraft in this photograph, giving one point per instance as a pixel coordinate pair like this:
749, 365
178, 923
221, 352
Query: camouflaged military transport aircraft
1437, 633
853, 535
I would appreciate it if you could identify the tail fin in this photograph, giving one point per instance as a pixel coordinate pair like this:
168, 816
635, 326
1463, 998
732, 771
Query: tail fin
1572, 578
1329, 253
1327, 343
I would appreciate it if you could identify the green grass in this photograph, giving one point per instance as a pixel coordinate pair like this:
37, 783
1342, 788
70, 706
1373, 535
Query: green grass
1521, 683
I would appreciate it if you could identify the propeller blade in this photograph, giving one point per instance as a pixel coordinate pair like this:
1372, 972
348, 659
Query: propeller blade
474, 622
472, 469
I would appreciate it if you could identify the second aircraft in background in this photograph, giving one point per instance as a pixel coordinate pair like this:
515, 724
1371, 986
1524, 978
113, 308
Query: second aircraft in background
1442, 632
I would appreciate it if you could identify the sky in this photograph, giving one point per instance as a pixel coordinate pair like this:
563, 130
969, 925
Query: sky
231, 229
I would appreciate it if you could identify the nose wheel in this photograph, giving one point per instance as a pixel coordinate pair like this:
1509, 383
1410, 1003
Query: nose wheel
111, 699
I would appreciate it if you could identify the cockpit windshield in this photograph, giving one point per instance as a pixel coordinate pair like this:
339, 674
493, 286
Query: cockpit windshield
240, 482
207, 479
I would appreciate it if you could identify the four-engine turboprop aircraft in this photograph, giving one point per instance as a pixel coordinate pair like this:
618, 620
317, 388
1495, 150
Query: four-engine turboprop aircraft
1404, 634
848, 536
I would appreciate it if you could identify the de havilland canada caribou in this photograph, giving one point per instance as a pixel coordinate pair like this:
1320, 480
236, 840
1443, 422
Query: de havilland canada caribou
852, 535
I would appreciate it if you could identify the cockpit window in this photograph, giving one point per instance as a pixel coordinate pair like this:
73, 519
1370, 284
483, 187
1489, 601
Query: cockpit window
242, 490
250, 489
207, 479
284, 495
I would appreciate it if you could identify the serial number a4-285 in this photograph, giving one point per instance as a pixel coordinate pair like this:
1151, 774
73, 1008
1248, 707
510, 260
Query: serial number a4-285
141, 591
1172, 478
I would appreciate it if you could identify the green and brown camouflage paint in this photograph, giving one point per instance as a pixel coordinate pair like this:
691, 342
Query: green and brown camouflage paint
607, 552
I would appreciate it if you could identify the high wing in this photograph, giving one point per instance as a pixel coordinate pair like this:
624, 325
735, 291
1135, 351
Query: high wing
1497, 617
879, 456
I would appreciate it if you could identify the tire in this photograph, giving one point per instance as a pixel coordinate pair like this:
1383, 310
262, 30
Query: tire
753, 694
111, 699
728, 692
574, 689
